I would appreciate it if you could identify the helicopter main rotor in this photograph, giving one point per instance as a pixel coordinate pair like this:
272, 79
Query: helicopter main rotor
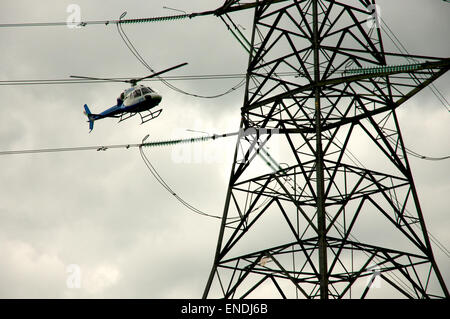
134, 81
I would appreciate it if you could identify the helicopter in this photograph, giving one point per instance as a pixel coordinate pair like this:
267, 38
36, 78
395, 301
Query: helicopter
135, 100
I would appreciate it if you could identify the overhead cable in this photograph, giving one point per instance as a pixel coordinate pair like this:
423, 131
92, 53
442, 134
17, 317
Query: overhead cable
106, 22
399, 45
139, 57
203, 77
118, 146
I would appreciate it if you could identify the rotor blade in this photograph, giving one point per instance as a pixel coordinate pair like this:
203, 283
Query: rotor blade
100, 79
161, 72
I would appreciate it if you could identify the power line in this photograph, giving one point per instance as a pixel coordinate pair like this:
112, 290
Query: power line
138, 56
106, 22
393, 276
118, 146
116, 79
147, 162
216, 12
428, 158
166, 78
68, 149
166, 186
399, 45
358, 163
420, 156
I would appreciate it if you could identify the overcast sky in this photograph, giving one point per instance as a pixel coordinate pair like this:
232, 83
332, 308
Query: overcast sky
103, 211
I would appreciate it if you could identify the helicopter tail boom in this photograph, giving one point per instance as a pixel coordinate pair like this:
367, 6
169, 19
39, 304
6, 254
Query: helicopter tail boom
90, 116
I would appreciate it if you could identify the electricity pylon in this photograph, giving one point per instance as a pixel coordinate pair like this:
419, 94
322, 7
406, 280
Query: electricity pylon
322, 222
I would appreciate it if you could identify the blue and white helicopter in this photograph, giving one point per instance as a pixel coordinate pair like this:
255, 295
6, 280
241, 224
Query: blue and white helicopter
135, 100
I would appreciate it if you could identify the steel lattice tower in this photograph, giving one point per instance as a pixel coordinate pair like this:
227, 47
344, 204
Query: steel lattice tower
319, 81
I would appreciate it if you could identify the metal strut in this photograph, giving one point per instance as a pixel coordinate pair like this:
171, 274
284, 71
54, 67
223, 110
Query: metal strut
149, 116
125, 116
144, 117
312, 244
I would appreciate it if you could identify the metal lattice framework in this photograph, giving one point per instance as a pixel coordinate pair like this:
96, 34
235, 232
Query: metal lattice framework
303, 229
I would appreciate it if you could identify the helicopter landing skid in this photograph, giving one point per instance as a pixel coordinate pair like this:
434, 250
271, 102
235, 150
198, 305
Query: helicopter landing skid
126, 116
149, 116
144, 117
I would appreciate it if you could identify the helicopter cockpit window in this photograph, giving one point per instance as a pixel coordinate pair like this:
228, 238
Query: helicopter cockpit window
146, 90
137, 93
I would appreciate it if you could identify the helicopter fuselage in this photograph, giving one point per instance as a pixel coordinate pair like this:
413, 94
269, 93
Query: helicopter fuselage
133, 100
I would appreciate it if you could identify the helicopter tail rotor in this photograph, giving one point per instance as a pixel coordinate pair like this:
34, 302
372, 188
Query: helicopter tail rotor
90, 117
